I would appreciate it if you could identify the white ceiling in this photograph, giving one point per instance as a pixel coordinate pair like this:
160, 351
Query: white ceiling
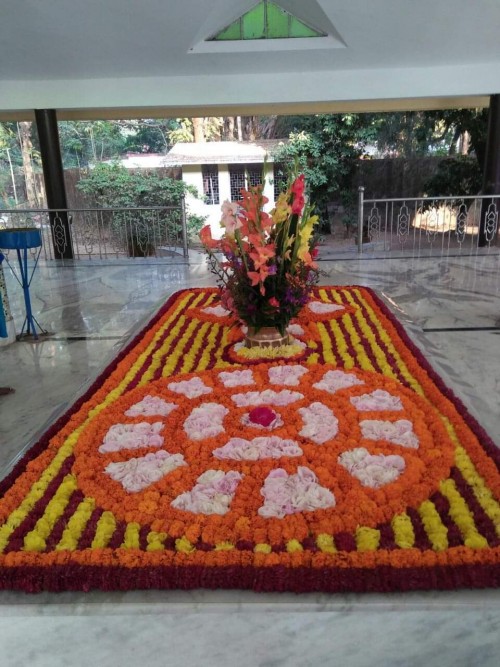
130, 54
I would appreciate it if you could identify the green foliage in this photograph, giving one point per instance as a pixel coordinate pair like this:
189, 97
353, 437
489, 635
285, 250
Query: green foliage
460, 175
327, 148
473, 121
114, 186
182, 129
148, 135
411, 133
83, 142
194, 223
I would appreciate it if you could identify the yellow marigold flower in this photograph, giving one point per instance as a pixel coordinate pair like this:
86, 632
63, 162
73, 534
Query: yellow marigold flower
367, 539
105, 528
404, 535
294, 545
131, 539
183, 545
76, 525
33, 542
155, 541
224, 546
434, 527
476, 542
462, 516
325, 543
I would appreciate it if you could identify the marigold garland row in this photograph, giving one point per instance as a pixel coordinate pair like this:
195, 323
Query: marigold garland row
49, 517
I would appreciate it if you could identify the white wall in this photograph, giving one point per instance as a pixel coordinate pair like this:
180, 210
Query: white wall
192, 175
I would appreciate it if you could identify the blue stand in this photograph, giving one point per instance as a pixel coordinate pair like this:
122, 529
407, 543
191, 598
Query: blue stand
20, 240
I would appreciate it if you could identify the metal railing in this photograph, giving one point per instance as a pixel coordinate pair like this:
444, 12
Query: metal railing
440, 224
101, 233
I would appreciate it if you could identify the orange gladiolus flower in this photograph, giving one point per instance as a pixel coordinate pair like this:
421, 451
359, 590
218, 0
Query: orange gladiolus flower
262, 254
206, 238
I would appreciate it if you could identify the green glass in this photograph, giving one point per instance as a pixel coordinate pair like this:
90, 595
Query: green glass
254, 22
299, 29
278, 21
232, 31
266, 20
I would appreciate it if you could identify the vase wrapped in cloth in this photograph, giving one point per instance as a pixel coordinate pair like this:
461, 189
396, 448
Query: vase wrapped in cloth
265, 337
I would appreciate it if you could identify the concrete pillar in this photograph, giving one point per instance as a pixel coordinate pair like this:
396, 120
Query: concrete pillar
48, 135
491, 173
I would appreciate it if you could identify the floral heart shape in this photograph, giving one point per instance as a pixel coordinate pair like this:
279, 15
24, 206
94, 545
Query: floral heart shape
372, 470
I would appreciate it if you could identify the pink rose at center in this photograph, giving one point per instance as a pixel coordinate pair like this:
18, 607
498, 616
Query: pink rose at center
262, 416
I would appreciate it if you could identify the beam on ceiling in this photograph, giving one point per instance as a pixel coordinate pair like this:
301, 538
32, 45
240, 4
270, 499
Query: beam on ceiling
282, 109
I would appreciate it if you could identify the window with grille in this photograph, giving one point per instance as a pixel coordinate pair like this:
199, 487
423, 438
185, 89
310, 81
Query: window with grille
280, 180
210, 174
254, 174
244, 176
237, 181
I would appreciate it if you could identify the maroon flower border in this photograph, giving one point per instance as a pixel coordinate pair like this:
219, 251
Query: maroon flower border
383, 579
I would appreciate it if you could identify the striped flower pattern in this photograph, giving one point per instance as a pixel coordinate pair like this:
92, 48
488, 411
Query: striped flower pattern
399, 480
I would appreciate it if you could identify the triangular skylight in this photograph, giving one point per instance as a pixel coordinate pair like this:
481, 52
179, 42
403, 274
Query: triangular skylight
266, 26
266, 20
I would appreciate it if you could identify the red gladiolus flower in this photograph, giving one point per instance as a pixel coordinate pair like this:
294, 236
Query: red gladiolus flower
298, 186
298, 205
298, 194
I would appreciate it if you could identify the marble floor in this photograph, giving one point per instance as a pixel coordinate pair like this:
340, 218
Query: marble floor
451, 308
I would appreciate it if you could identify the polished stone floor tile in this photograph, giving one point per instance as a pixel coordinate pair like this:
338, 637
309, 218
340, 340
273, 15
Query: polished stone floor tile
451, 309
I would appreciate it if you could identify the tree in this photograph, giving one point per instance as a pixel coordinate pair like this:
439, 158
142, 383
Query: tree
461, 121
458, 175
8, 146
422, 133
27, 151
198, 130
84, 142
327, 148
148, 135
410, 134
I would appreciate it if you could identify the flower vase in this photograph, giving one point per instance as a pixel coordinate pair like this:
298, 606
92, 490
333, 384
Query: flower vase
265, 337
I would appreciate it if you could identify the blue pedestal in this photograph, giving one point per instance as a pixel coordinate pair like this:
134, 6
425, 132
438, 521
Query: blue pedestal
21, 240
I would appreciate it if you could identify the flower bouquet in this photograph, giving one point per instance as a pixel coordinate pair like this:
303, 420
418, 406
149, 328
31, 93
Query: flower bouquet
264, 262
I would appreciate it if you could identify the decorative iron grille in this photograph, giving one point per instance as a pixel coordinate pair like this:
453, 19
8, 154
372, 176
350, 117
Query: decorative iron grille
237, 181
210, 174
244, 176
102, 233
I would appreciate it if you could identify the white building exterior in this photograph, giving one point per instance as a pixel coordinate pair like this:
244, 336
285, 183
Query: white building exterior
219, 169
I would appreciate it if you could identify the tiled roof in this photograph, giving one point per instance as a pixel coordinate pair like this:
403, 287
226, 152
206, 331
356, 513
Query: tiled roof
221, 152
